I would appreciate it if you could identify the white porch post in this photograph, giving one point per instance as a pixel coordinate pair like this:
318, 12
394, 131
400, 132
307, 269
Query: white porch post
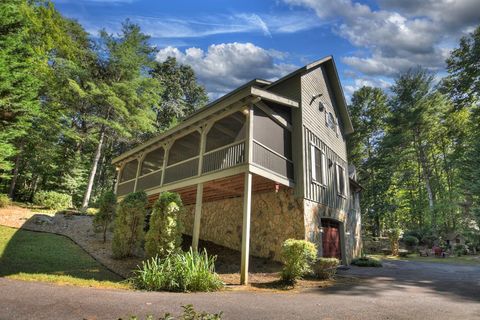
198, 216
199, 197
247, 199
247, 208
139, 168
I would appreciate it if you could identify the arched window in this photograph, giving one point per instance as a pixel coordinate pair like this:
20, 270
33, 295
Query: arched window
129, 171
184, 148
226, 131
153, 161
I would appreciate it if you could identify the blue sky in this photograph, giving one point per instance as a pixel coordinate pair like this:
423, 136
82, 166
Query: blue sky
231, 42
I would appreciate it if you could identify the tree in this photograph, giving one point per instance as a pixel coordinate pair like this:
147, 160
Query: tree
128, 230
106, 213
368, 112
165, 234
463, 81
121, 102
182, 94
19, 83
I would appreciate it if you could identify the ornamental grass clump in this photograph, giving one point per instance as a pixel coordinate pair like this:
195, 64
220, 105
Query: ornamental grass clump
298, 257
367, 262
165, 234
128, 229
181, 271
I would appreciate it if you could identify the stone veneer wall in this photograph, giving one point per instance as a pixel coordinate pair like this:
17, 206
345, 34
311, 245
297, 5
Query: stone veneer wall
275, 218
350, 223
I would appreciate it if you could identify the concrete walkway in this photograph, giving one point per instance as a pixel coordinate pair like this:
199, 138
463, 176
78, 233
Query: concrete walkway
401, 290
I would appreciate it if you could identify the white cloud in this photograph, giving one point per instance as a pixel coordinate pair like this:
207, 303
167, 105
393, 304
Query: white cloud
223, 67
400, 34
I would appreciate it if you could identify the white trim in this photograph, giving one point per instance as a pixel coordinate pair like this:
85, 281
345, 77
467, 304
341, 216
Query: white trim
271, 175
342, 193
271, 114
313, 161
247, 211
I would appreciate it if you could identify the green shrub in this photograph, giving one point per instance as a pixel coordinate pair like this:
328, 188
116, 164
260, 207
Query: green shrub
180, 271
411, 241
460, 249
326, 268
165, 233
4, 200
53, 200
367, 262
189, 313
297, 256
105, 214
128, 229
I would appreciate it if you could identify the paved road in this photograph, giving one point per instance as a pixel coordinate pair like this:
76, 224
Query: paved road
401, 290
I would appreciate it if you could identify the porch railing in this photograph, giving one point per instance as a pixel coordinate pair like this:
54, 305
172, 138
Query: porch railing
272, 160
224, 157
181, 170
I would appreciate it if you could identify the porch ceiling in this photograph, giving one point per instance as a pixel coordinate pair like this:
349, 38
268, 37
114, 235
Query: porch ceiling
223, 188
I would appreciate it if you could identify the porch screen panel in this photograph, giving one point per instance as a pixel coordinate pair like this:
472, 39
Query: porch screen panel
226, 131
153, 161
129, 171
149, 181
271, 134
184, 148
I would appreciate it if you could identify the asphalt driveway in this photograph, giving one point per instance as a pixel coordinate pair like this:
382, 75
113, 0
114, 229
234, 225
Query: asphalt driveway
400, 290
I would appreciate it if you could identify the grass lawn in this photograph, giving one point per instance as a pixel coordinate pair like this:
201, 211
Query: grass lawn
35, 256
468, 260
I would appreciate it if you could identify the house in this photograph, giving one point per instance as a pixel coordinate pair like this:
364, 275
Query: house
262, 164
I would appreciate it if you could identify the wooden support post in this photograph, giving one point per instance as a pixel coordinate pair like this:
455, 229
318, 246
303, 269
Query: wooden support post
247, 208
139, 168
198, 216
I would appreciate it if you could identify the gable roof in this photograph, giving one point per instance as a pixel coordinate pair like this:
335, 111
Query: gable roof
331, 69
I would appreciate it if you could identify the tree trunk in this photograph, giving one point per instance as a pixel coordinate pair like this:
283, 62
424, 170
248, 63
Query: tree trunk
93, 171
13, 183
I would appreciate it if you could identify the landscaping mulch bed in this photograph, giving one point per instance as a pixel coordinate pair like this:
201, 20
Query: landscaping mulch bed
264, 274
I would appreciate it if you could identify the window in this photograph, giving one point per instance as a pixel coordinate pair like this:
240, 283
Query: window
318, 165
129, 171
341, 187
330, 120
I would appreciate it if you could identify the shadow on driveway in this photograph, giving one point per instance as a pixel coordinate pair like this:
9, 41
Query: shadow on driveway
458, 282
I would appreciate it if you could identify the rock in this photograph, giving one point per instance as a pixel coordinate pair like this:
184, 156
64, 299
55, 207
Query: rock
42, 220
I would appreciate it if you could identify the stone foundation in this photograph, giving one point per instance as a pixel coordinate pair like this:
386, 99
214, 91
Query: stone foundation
350, 228
275, 218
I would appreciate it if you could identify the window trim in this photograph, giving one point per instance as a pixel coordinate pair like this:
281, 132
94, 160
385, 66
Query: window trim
341, 193
313, 172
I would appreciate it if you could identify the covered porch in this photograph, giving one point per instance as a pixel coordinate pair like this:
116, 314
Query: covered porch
236, 149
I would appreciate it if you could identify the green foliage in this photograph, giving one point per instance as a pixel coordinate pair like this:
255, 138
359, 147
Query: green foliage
4, 200
326, 268
180, 271
410, 241
106, 213
165, 234
460, 249
182, 94
128, 229
53, 200
189, 313
297, 257
367, 262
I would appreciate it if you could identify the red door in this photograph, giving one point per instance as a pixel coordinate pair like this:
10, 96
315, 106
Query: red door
331, 239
